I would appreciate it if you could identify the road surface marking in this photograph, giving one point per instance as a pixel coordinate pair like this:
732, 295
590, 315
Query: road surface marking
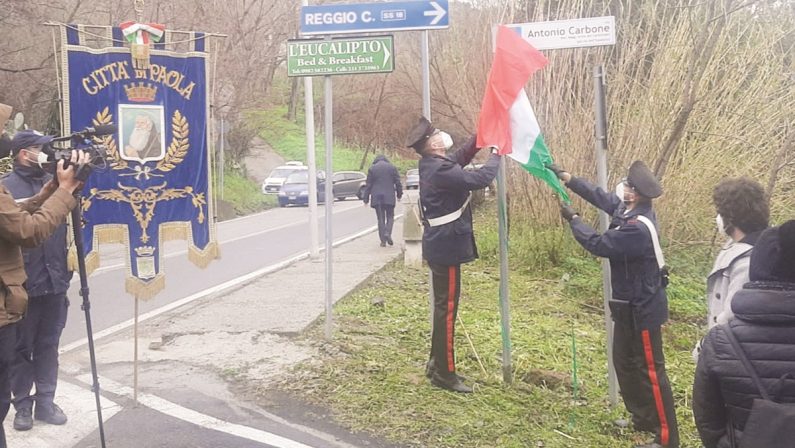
180, 252
235, 282
79, 405
205, 421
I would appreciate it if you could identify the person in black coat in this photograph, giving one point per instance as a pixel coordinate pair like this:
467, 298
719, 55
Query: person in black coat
383, 185
48, 280
764, 325
639, 305
447, 239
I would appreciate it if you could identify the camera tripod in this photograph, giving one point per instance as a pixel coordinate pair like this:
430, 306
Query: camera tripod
77, 221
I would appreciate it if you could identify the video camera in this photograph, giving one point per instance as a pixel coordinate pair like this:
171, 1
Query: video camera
82, 140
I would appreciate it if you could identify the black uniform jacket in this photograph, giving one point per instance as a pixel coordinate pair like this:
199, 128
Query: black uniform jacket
45, 265
635, 275
444, 187
723, 392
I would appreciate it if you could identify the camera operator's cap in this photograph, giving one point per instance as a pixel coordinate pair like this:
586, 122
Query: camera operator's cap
27, 138
643, 181
420, 134
5, 113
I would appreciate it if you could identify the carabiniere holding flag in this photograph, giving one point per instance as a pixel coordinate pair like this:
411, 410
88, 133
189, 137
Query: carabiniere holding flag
639, 305
447, 240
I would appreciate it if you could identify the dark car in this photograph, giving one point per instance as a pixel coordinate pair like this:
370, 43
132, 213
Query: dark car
295, 190
348, 184
413, 179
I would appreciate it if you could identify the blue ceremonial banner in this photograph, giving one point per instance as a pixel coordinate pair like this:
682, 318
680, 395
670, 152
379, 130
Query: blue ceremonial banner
156, 186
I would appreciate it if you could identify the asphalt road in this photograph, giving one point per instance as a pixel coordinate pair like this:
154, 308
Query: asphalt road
247, 244
175, 415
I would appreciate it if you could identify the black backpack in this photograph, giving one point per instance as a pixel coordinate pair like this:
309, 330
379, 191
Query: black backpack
770, 424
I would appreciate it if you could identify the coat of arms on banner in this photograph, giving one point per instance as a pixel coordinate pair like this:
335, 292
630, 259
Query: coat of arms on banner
157, 184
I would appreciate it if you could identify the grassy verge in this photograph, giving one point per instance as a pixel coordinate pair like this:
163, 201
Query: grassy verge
372, 374
288, 139
245, 195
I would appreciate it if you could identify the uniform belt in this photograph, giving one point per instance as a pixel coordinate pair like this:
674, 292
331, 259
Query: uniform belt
450, 217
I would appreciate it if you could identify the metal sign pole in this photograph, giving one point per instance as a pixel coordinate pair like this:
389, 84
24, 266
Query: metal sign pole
426, 112
329, 204
309, 119
604, 220
505, 304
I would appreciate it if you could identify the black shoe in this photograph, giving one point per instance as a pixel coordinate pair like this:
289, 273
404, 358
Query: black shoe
50, 413
23, 421
451, 383
383, 243
389, 241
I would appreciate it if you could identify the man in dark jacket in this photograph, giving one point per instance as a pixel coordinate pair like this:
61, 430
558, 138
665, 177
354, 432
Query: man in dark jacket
639, 305
25, 224
447, 240
383, 184
48, 279
764, 325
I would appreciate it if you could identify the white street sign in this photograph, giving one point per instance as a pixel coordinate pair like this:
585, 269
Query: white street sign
589, 32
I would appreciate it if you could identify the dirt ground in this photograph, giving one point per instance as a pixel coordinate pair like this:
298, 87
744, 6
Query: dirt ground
261, 160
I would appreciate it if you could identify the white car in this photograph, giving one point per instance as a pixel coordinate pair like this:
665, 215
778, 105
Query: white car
275, 180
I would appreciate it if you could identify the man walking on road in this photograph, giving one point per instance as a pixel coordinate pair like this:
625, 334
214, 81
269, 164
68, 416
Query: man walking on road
48, 279
383, 184
448, 241
639, 305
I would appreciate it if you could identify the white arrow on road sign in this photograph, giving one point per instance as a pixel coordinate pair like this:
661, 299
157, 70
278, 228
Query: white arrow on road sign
387, 54
438, 11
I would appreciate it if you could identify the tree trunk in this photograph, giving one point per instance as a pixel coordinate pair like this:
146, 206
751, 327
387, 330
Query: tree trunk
292, 107
782, 160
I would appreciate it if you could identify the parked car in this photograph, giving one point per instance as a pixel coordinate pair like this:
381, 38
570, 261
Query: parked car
295, 190
348, 184
273, 183
413, 179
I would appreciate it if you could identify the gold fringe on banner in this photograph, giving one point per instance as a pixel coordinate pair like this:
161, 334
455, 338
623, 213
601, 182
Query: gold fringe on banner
174, 231
202, 258
145, 289
107, 234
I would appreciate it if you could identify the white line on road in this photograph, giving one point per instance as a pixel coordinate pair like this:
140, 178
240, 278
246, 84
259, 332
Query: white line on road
80, 405
205, 421
113, 267
209, 291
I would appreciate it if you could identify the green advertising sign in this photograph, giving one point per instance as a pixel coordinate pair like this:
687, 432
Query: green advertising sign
357, 55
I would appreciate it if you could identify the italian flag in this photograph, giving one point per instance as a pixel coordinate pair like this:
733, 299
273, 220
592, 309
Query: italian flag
138, 33
506, 118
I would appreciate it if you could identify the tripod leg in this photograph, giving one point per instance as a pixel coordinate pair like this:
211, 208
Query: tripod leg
86, 307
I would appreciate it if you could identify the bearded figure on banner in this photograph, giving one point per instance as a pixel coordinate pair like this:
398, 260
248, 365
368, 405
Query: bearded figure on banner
144, 141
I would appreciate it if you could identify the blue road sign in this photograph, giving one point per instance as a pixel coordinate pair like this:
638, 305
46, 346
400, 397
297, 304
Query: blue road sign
374, 17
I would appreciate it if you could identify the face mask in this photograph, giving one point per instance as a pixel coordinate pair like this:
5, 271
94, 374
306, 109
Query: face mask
620, 191
447, 141
721, 225
39, 158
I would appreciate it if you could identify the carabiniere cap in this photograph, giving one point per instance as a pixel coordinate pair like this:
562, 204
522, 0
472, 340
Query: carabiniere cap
642, 179
419, 134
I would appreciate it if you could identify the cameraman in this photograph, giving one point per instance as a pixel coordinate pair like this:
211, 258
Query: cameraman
48, 280
28, 225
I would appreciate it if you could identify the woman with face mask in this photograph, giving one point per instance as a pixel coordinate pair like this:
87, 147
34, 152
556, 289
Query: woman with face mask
742, 214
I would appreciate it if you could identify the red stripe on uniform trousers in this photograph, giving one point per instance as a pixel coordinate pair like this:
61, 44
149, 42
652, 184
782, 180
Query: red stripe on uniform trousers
655, 385
451, 281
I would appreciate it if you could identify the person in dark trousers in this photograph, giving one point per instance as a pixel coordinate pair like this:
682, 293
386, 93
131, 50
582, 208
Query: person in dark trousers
25, 224
447, 240
639, 305
383, 185
764, 326
39, 332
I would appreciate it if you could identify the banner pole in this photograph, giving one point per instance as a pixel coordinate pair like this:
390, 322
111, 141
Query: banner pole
135, 354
